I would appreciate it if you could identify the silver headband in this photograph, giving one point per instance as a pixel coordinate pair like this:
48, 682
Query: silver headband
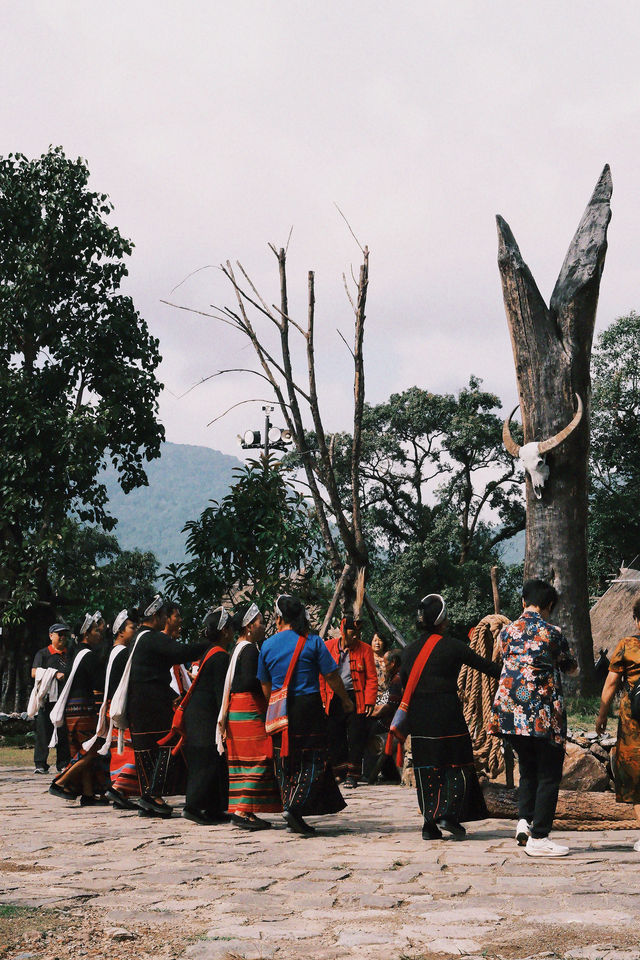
443, 613
119, 621
154, 606
277, 608
97, 616
250, 615
89, 619
224, 616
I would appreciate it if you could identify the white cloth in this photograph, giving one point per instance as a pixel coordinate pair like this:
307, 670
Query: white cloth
186, 679
119, 699
57, 714
45, 688
104, 729
221, 725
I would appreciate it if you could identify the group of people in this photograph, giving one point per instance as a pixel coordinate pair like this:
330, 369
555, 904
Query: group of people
278, 725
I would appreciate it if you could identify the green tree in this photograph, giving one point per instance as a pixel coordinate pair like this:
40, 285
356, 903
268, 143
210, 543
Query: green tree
77, 380
259, 541
614, 520
90, 571
439, 495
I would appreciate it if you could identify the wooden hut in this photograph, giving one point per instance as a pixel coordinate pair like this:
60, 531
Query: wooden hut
611, 616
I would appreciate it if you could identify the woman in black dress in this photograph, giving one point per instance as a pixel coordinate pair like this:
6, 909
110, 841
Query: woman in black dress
448, 788
207, 795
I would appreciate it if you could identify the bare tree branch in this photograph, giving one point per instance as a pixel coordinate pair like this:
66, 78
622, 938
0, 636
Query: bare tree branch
362, 249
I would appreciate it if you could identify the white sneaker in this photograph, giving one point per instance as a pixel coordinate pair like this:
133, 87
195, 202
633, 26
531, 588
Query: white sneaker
523, 832
636, 846
543, 847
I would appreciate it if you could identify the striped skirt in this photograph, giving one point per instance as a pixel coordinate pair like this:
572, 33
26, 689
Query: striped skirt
124, 776
252, 783
80, 720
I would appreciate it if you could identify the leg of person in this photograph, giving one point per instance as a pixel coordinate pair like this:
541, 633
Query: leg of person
550, 758
528, 768
636, 810
357, 731
44, 729
337, 737
63, 755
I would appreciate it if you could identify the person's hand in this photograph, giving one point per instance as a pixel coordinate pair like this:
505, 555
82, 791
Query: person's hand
601, 723
347, 705
368, 710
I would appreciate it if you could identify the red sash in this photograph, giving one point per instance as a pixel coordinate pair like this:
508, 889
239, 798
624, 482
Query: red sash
400, 717
177, 724
277, 720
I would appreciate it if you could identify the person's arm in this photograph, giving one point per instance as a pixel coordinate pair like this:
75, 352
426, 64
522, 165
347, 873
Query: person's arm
476, 662
611, 687
370, 681
335, 682
174, 652
266, 689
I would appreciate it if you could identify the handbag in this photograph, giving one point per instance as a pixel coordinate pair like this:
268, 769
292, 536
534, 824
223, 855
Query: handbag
277, 720
399, 722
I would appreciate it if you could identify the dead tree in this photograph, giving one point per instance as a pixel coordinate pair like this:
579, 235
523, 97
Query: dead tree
297, 396
552, 352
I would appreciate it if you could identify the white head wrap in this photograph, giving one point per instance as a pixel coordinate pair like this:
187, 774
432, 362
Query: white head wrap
87, 623
443, 613
154, 606
250, 615
97, 617
277, 607
122, 617
210, 615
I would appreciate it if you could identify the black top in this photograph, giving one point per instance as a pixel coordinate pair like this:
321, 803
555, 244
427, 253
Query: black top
440, 674
203, 706
156, 653
245, 677
89, 675
44, 658
117, 669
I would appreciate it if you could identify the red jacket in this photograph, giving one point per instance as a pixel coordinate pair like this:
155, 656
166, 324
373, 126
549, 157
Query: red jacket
363, 674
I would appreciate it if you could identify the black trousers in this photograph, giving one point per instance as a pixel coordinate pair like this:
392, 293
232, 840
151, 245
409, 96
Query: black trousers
347, 738
44, 729
540, 763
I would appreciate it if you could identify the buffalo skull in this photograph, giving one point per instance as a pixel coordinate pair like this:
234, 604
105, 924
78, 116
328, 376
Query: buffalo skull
533, 455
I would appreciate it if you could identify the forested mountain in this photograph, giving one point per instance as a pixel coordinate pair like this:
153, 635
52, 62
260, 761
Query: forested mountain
181, 483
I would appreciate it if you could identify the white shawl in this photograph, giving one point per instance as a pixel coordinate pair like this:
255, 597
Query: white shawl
104, 729
57, 714
221, 727
118, 711
45, 688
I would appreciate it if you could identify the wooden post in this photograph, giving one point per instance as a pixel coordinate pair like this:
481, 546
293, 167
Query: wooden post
494, 588
552, 352
334, 600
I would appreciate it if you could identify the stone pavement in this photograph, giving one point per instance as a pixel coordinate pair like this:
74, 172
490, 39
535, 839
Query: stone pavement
367, 886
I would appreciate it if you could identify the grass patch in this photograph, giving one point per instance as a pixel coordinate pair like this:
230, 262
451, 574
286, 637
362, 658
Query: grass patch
582, 712
16, 756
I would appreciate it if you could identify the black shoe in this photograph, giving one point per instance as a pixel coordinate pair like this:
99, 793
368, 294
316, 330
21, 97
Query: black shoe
350, 783
246, 824
297, 824
42, 770
57, 791
262, 824
91, 800
456, 829
119, 801
154, 807
430, 831
198, 816
219, 817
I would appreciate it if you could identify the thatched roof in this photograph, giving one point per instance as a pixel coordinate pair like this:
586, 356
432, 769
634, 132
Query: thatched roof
611, 616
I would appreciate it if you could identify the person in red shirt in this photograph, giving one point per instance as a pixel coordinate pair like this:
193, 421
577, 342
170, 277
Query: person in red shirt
348, 732
51, 656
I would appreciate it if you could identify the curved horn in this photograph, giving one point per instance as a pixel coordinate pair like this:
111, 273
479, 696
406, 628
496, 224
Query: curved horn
510, 444
546, 445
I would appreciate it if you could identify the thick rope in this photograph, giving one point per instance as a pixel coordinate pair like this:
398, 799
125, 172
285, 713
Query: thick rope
477, 691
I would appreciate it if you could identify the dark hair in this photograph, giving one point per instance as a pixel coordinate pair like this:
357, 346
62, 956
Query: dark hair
293, 613
636, 609
170, 606
394, 655
385, 642
211, 621
239, 615
429, 609
539, 593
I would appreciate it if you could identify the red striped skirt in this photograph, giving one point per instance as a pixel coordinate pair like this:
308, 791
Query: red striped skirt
124, 776
252, 784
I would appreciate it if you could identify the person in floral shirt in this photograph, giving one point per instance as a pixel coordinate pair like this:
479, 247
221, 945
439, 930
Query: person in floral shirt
528, 711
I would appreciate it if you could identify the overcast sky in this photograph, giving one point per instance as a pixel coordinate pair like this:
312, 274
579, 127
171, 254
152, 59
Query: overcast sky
215, 127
